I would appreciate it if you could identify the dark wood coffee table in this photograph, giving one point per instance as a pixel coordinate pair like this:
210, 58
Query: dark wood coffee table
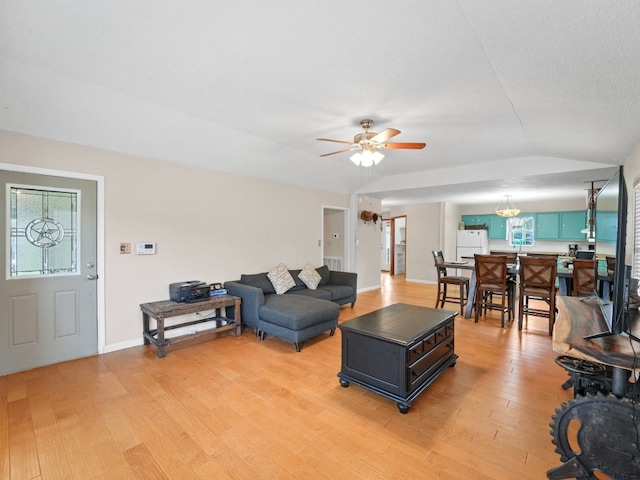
397, 351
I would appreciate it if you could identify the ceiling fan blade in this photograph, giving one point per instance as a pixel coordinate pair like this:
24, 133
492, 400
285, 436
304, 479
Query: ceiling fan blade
336, 141
384, 135
414, 146
339, 151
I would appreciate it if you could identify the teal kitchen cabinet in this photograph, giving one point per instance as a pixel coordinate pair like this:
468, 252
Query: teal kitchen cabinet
497, 227
560, 225
571, 224
547, 225
469, 220
495, 224
479, 220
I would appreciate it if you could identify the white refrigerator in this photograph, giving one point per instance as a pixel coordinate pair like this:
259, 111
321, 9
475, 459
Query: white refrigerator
471, 242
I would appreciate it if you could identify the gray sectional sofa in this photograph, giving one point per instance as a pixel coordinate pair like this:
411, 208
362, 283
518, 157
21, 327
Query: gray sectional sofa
300, 313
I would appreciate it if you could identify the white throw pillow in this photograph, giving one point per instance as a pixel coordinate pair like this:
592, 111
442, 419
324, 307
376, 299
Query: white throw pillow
310, 277
281, 279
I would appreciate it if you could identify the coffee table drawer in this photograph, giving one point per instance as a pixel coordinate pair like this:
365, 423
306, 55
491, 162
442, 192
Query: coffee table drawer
429, 363
429, 342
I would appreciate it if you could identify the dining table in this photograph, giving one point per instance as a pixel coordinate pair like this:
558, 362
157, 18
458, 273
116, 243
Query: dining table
563, 274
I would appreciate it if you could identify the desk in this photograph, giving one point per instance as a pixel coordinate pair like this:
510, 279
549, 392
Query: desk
168, 308
578, 318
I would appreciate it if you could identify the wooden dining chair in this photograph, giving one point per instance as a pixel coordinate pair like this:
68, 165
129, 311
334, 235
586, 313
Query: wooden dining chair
538, 283
445, 280
585, 277
492, 278
512, 259
611, 265
611, 270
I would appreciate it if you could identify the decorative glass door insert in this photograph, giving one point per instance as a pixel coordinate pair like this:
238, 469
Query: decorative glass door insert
43, 231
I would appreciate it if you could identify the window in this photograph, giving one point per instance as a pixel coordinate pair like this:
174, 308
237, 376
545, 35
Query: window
520, 231
43, 231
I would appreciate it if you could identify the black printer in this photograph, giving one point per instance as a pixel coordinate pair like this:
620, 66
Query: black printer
191, 291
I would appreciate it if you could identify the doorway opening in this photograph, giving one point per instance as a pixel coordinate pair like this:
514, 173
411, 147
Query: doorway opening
393, 245
335, 232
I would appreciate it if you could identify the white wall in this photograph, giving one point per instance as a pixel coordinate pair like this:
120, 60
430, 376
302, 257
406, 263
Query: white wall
207, 225
423, 236
450, 218
368, 245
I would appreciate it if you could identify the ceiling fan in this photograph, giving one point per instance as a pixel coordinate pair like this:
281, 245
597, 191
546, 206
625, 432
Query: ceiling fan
369, 143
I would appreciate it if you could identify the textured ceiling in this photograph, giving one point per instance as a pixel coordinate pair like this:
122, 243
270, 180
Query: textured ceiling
512, 97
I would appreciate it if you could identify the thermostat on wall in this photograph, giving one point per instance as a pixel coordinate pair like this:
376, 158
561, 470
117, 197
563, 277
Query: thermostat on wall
146, 248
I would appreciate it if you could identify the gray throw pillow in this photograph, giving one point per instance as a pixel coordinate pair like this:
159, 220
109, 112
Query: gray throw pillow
259, 280
324, 274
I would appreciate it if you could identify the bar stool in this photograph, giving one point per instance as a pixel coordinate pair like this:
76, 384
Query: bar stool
512, 259
538, 282
611, 265
444, 280
491, 279
585, 277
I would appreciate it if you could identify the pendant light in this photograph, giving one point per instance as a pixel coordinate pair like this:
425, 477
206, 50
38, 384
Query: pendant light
509, 209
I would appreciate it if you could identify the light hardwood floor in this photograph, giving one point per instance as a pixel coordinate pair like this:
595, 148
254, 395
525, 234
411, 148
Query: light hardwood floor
238, 408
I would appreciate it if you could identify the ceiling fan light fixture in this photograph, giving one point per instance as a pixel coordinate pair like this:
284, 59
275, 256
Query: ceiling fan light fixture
509, 210
367, 158
368, 143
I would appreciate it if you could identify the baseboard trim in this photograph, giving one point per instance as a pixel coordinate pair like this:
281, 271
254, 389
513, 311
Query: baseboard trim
418, 280
367, 289
114, 347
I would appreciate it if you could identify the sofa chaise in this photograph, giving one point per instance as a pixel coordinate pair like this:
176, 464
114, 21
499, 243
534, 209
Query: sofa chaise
301, 312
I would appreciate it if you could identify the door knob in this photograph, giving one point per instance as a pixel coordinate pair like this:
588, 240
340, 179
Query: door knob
92, 277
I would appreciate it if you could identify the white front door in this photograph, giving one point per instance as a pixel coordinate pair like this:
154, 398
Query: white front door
48, 288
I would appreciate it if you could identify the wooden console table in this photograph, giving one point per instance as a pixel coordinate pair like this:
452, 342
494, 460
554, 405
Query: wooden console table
578, 318
397, 351
168, 308
607, 425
